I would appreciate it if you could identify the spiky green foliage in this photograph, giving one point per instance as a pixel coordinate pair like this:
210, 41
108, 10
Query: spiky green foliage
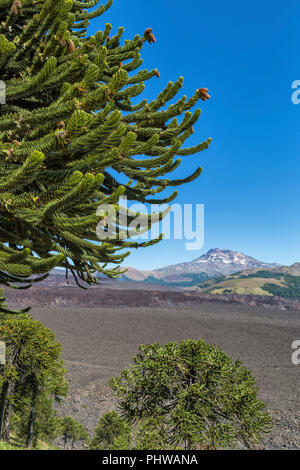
70, 124
190, 395
33, 375
72, 431
111, 433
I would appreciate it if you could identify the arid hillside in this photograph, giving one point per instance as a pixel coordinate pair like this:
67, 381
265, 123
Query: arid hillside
134, 295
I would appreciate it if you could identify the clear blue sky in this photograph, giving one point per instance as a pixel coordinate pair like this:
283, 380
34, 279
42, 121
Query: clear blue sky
246, 53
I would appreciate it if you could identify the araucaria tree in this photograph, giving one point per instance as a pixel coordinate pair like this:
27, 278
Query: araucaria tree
190, 395
71, 124
72, 431
111, 433
33, 374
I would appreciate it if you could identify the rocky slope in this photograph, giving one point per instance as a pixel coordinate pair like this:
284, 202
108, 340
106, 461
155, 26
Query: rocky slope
123, 295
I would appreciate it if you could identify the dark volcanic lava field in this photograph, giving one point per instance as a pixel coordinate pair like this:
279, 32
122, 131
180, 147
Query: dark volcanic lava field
98, 343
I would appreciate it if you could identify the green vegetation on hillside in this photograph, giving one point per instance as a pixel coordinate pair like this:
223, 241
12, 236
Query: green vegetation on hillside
264, 274
192, 280
212, 281
291, 288
281, 284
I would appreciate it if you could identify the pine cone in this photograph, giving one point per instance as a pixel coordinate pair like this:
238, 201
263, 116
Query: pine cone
14, 9
71, 47
16, 6
203, 94
149, 36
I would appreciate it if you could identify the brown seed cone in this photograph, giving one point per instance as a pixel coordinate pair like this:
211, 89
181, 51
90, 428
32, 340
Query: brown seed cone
14, 9
203, 94
16, 6
71, 47
149, 36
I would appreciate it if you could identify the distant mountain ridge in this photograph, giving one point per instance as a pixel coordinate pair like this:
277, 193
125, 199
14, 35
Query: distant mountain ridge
222, 272
215, 262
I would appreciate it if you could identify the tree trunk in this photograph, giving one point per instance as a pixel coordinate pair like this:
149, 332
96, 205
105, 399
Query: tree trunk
66, 443
5, 410
6, 423
31, 419
3, 405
